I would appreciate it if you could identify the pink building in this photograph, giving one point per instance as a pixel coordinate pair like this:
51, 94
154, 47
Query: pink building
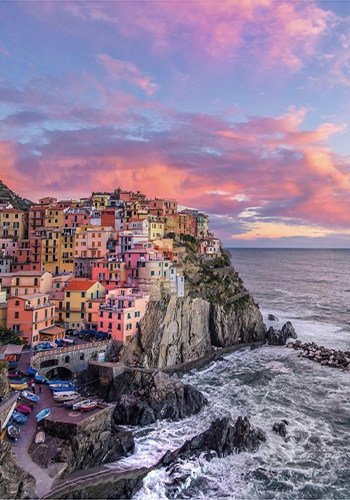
211, 248
122, 312
110, 271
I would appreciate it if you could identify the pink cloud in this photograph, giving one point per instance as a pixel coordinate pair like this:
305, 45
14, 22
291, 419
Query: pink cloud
127, 71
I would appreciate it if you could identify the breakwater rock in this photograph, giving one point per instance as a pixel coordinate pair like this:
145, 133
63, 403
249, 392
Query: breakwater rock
15, 482
83, 445
322, 355
142, 398
279, 337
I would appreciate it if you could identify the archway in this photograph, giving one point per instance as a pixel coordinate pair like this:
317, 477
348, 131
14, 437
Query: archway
60, 372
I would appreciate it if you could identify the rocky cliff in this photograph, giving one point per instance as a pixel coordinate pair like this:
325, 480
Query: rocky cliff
88, 444
15, 482
217, 311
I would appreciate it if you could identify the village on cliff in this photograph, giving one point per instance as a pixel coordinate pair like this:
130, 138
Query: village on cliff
93, 264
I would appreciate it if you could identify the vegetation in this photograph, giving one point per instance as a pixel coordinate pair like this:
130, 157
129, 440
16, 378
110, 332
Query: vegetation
8, 336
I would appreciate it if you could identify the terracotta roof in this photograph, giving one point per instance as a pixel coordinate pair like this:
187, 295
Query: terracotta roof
11, 211
52, 330
80, 285
11, 349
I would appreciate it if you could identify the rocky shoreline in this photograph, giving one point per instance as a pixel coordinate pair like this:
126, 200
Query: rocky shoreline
322, 355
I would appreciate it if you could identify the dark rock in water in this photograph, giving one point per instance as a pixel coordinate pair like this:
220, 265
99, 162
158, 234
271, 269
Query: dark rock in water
224, 439
155, 396
220, 440
271, 317
279, 337
280, 428
288, 330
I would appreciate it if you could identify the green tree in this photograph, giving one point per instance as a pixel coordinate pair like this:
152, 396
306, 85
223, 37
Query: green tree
8, 336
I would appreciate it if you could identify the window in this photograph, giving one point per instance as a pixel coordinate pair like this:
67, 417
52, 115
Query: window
129, 326
152, 273
82, 315
90, 305
67, 359
68, 294
128, 316
137, 314
119, 327
17, 303
83, 295
16, 314
67, 315
109, 315
109, 326
101, 324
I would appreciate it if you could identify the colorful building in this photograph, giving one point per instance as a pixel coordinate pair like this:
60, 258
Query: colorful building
29, 314
13, 224
76, 295
122, 312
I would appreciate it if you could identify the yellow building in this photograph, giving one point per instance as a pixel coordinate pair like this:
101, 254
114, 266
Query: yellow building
76, 295
57, 253
54, 217
13, 224
156, 228
100, 200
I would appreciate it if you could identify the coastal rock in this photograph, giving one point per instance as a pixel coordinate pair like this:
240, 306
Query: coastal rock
271, 317
280, 428
220, 440
93, 442
223, 438
15, 482
217, 312
279, 337
149, 397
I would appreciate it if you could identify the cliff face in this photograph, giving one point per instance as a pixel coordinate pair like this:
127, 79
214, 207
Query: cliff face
218, 311
4, 381
81, 446
15, 482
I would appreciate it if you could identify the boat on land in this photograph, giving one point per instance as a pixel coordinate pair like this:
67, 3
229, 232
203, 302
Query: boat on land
19, 417
31, 371
70, 403
17, 386
87, 405
77, 405
65, 396
30, 396
39, 379
43, 414
57, 383
39, 437
13, 431
63, 388
25, 409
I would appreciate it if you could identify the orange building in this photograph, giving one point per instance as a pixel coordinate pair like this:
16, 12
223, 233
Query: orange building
29, 314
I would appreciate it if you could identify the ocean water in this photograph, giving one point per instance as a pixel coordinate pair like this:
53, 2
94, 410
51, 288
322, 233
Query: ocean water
311, 288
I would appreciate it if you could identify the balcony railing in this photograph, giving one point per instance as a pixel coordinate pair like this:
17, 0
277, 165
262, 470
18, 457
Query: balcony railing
29, 307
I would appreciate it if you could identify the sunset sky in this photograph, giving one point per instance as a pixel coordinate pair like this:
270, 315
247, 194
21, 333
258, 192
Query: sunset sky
237, 108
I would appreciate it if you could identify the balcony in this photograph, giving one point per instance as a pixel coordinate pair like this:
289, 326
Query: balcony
29, 307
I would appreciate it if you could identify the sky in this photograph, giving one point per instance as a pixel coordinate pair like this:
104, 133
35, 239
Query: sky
237, 108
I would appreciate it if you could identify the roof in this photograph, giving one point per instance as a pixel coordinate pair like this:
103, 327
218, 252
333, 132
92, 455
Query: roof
52, 330
11, 349
29, 273
58, 295
30, 296
80, 285
11, 211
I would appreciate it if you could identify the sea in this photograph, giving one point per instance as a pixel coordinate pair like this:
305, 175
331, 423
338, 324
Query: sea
310, 288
